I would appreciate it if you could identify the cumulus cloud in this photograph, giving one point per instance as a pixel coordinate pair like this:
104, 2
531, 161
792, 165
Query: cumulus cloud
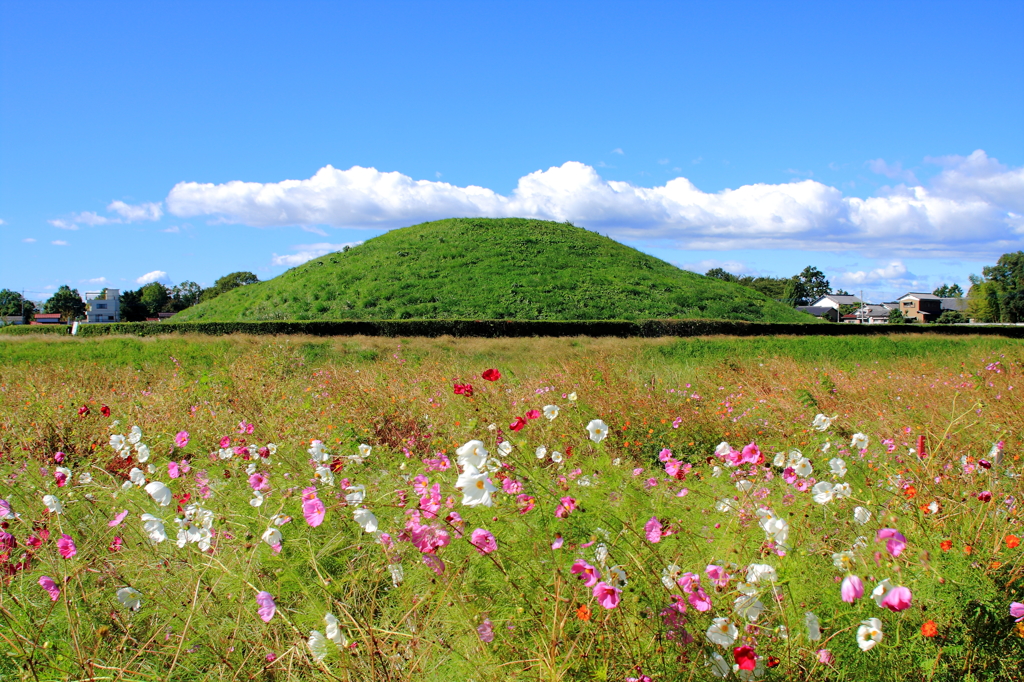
975, 206
894, 272
29, 240
136, 213
155, 276
307, 252
59, 242
95, 280
732, 266
63, 224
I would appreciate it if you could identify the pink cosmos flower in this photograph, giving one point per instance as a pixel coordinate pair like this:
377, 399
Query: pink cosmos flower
852, 589
116, 544
566, 506
267, 607
525, 503
898, 599
245, 427
312, 508
1017, 611
557, 544
60, 477
985, 496
665, 455
33, 541
512, 486
225, 442
118, 518
587, 573
606, 595
259, 482
896, 544
483, 540
518, 424
181, 439
718, 575
66, 546
745, 658
47, 583
825, 656
7, 541
173, 470
653, 529
486, 631
434, 563
5, 510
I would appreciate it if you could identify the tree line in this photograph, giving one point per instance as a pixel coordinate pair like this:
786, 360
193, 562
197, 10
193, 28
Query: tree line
800, 289
137, 305
997, 295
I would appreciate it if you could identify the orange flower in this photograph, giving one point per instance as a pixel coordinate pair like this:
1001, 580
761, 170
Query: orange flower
583, 612
1012, 541
929, 629
910, 492
946, 545
968, 549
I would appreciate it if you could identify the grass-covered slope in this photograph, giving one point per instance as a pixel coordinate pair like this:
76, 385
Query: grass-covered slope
473, 268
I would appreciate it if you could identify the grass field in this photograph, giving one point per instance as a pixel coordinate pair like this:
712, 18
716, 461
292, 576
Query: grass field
221, 542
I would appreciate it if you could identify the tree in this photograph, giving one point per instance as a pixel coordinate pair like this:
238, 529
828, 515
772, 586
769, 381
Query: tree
813, 285
13, 304
154, 297
132, 309
227, 283
951, 317
185, 295
842, 292
66, 302
719, 273
949, 291
896, 317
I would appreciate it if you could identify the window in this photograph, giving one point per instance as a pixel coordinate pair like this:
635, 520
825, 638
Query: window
101, 306
908, 304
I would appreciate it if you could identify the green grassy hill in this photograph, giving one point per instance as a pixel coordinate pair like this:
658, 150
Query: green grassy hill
475, 268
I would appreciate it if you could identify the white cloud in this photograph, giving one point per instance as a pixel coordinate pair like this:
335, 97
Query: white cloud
135, 213
1, 222
155, 276
59, 242
974, 207
733, 266
29, 240
95, 280
173, 229
893, 273
893, 170
307, 252
63, 224
618, 150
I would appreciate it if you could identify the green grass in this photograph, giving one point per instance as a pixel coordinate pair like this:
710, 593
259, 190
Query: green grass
491, 269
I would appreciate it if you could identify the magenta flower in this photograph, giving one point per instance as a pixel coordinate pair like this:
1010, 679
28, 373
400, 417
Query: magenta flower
1017, 611
718, 575
245, 427
267, 607
606, 595
896, 544
825, 656
525, 503
566, 505
985, 496
66, 546
181, 439
434, 562
173, 470
47, 583
587, 573
898, 599
557, 544
653, 529
483, 540
852, 589
486, 631
312, 508
116, 521
259, 482
533, 414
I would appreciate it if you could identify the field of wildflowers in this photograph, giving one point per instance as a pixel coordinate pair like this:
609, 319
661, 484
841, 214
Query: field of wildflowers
525, 509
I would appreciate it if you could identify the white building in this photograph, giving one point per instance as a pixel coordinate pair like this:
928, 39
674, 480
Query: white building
836, 300
103, 306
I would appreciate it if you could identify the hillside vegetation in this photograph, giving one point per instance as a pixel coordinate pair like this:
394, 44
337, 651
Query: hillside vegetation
473, 268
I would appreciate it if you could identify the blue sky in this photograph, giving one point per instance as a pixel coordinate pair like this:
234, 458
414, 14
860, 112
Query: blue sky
880, 142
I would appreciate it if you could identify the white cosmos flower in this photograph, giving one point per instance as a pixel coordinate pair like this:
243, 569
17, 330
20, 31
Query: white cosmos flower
722, 632
803, 467
572, 396
141, 452
598, 430
364, 450
257, 499
601, 553
859, 441
127, 485
53, 504
780, 460
881, 590
837, 466
334, 632
225, 453
821, 422
130, 597
251, 469
272, 448
476, 487
551, 411
996, 454
272, 536
160, 493
154, 528
861, 515
85, 478
325, 475
843, 560
759, 572
135, 435
722, 449
869, 633
541, 452
842, 490
366, 519
669, 575
397, 574
317, 644
65, 471
316, 451
504, 448
137, 476
473, 454
557, 457
813, 626
822, 491
826, 446
719, 666
726, 504
355, 494
280, 519
748, 606
774, 526
744, 485
117, 441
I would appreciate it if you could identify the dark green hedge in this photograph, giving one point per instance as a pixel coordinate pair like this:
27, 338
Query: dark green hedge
517, 328
25, 329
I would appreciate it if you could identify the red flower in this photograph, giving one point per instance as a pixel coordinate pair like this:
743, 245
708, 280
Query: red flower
491, 374
929, 629
946, 545
83, 411
105, 411
116, 545
460, 389
745, 658
1012, 541
518, 424
533, 414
